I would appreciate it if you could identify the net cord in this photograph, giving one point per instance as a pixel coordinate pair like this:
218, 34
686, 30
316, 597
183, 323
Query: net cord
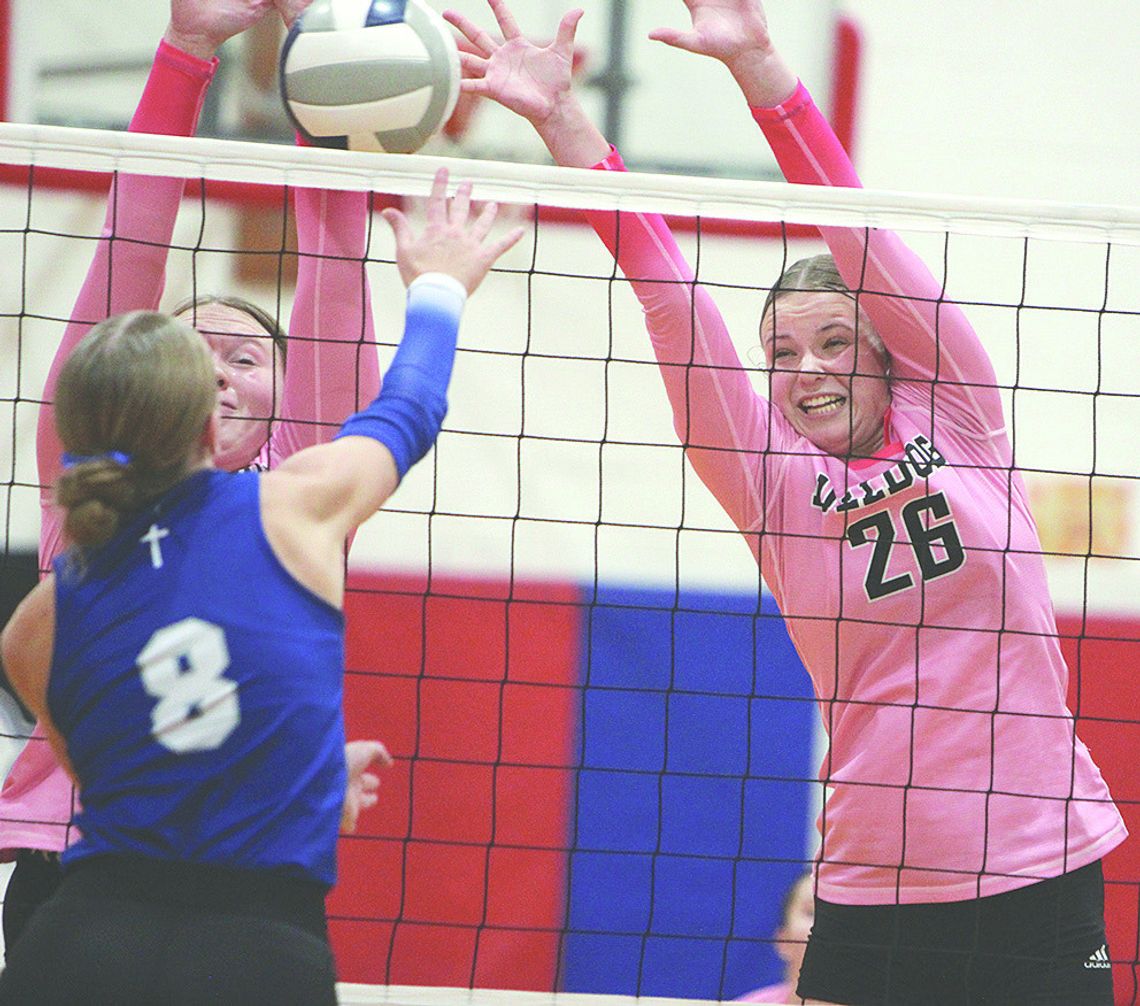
99, 150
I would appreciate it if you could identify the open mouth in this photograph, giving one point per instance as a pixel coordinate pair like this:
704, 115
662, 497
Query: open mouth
821, 405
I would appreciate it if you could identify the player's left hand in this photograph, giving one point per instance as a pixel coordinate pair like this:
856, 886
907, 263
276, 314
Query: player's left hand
363, 787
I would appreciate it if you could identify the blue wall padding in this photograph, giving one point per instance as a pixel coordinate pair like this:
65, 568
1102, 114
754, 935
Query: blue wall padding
693, 801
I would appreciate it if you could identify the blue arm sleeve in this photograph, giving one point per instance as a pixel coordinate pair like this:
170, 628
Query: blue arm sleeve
407, 414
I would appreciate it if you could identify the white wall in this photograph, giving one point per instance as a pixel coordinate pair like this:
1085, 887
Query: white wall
1003, 98
967, 98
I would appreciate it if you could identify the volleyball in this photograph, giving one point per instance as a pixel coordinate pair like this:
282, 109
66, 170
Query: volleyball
370, 74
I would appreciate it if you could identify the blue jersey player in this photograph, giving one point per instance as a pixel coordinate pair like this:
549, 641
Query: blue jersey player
186, 655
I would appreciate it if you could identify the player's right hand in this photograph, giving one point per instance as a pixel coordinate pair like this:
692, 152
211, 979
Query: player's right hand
361, 791
721, 29
451, 242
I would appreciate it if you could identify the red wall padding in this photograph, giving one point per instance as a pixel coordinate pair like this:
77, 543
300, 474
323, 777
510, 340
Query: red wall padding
457, 876
1104, 690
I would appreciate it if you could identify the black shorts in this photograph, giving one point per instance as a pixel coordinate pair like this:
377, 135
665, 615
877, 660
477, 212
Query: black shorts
35, 878
123, 931
1043, 943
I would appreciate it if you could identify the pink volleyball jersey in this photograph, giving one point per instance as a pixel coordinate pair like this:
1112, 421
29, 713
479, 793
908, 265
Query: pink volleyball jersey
332, 367
912, 583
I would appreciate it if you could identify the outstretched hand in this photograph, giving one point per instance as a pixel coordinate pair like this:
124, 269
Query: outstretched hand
523, 76
199, 27
736, 33
722, 29
451, 241
533, 81
363, 786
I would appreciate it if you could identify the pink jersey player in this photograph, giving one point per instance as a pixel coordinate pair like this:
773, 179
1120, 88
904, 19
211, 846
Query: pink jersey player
270, 406
875, 487
925, 621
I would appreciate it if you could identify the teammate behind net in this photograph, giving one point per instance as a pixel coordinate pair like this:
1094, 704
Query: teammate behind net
205, 728
272, 403
797, 913
962, 838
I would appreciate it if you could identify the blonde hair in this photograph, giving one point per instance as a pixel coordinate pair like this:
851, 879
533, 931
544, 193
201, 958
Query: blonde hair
192, 305
818, 273
140, 385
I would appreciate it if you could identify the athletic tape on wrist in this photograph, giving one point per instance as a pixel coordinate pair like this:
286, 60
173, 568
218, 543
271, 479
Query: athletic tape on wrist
407, 414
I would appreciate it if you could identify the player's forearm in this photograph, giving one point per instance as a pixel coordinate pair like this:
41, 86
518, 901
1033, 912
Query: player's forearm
172, 99
571, 137
805, 145
763, 77
142, 210
924, 332
407, 415
332, 364
716, 413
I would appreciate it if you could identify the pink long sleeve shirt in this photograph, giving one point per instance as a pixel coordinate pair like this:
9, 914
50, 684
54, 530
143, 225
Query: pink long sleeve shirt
332, 367
912, 583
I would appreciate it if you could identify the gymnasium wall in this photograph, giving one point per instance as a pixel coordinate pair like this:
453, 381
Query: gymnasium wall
558, 563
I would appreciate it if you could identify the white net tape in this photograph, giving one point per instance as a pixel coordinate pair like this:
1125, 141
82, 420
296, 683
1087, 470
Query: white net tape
228, 160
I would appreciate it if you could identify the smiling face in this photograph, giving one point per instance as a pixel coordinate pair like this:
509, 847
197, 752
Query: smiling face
828, 378
249, 376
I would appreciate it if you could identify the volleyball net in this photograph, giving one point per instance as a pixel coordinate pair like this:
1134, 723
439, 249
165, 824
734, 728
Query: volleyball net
606, 747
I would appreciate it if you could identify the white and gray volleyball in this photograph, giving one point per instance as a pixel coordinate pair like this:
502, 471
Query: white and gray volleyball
370, 74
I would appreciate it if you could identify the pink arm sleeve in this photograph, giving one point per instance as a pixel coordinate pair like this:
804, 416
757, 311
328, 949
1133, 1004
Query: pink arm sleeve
128, 270
332, 368
717, 414
928, 337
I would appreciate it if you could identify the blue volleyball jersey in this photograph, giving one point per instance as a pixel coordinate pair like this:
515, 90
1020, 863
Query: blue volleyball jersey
199, 688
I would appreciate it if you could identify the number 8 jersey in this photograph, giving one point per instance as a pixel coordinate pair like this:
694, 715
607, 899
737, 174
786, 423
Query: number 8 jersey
198, 686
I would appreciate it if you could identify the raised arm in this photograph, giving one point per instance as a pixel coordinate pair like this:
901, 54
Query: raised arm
320, 495
717, 414
128, 269
332, 368
928, 337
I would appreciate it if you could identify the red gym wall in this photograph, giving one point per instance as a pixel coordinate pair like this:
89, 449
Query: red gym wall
1103, 654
